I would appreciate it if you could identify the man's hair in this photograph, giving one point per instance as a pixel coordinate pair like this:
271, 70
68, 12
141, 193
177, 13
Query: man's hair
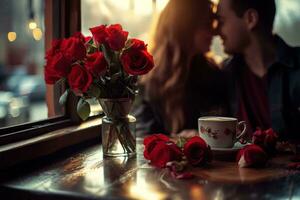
266, 10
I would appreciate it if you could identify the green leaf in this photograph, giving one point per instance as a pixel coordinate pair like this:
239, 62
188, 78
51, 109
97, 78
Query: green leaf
91, 49
180, 142
107, 54
63, 98
83, 109
94, 91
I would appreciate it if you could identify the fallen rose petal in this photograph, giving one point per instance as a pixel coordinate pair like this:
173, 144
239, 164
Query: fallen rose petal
294, 166
182, 175
176, 165
185, 175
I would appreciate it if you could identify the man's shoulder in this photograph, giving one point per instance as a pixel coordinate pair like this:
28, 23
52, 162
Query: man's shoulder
288, 54
296, 54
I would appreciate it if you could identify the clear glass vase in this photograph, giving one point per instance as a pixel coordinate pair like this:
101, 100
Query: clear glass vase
118, 128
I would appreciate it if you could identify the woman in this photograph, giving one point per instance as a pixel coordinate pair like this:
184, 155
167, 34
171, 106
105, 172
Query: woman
184, 85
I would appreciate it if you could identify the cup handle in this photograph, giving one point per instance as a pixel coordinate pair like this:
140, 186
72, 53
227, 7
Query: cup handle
244, 131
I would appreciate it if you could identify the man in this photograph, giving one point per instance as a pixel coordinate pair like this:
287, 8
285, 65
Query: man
264, 72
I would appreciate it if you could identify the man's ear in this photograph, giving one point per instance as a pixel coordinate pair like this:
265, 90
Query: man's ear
251, 18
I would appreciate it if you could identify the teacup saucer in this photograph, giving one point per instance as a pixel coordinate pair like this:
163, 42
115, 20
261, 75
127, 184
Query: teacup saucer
227, 154
237, 146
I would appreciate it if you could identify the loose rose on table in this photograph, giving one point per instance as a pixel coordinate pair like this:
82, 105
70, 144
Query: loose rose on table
160, 150
252, 156
197, 151
257, 154
266, 139
293, 166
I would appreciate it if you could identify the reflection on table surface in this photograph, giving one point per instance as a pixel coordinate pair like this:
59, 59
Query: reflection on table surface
88, 175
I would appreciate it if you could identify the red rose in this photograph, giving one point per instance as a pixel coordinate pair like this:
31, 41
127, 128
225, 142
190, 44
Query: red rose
96, 63
266, 139
252, 156
156, 137
136, 44
136, 60
55, 48
57, 66
79, 79
73, 48
80, 36
87, 38
151, 141
271, 138
164, 152
99, 34
197, 151
258, 137
116, 37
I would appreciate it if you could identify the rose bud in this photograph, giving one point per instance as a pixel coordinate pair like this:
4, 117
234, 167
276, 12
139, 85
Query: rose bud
252, 156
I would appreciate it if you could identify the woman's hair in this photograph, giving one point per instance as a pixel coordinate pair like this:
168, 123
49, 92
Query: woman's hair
172, 49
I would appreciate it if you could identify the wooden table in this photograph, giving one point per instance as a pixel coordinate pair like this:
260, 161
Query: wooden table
84, 174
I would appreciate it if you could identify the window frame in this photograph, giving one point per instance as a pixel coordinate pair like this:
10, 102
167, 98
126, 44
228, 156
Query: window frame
57, 14
62, 128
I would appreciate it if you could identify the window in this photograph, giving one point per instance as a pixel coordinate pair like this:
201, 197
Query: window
56, 19
287, 21
22, 87
35, 139
136, 16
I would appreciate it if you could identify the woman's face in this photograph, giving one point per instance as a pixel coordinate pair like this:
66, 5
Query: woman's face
204, 34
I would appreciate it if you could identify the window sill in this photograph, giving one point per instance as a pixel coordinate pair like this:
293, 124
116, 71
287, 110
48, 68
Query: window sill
48, 143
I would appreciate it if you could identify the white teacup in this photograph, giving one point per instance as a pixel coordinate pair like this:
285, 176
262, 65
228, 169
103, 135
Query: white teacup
220, 132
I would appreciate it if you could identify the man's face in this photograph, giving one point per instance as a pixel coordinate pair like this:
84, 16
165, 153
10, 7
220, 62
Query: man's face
232, 29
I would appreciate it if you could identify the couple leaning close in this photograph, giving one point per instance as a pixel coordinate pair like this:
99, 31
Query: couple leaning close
259, 83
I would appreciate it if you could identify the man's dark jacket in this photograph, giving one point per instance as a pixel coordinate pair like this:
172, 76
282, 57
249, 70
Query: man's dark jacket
283, 89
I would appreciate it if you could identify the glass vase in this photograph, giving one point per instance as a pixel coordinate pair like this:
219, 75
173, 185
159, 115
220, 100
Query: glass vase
118, 128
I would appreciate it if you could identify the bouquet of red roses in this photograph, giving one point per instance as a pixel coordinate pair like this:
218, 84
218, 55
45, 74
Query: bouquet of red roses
105, 65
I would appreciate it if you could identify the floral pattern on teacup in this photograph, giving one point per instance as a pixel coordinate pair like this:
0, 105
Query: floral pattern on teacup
214, 134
